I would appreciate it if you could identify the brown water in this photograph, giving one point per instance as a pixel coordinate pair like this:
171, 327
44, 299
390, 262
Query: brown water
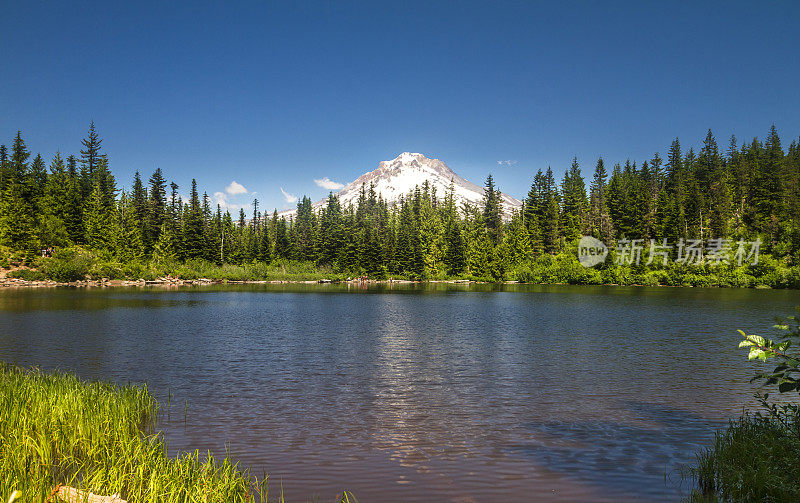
436, 393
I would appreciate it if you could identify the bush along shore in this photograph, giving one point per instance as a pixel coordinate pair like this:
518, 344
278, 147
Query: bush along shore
82, 267
757, 458
99, 437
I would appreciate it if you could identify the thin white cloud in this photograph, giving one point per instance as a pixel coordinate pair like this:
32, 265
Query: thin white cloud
290, 198
507, 162
235, 188
327, 183
222, 199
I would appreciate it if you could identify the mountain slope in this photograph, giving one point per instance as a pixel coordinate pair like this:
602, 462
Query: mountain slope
398, 177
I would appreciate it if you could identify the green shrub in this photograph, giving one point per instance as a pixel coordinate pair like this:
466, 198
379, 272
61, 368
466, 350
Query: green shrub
793, 277
134, 271
523, 274
68, 265
770, 272
618, 275
27, 274
698, 280
109, 270
651, 278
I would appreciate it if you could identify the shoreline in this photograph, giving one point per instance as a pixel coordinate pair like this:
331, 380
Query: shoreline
105, 282
11, 283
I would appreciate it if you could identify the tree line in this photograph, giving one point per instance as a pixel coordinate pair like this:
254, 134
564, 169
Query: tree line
749, 191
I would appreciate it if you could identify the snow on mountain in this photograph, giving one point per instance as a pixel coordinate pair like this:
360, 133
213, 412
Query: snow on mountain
397, 178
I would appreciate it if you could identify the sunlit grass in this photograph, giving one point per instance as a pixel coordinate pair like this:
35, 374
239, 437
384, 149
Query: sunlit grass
756, 458
56, 429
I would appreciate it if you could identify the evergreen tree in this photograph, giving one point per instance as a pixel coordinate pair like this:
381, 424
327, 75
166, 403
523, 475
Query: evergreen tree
127, 230
600, 219
193, 229
5, 168
492, 211
16, 211
714, 176
550, 209
282, 248
573, 209
139, 196
674, 225
91, 157
330, 236
156, 209
73, 206
98, 220
54, 205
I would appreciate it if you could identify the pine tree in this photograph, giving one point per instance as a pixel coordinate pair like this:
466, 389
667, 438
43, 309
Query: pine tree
266, 247
492, 211
139, 196
156, 209
127, 230
5, 167
550, 209
600, 219
16, 220
517, 246
73, 206
16, 212
573, 209
193, 229
674, 225
330, 236
305, 227
455, 258
18, 172
37, 181
282, 247
714, 176
54, 205
90, 160
98, 220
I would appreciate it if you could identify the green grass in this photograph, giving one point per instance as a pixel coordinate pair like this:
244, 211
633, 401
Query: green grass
756, 459
56, 429
27, 275
76, 263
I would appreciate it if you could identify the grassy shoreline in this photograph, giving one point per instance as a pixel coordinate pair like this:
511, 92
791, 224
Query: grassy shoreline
80, 267
756, 458
101, 437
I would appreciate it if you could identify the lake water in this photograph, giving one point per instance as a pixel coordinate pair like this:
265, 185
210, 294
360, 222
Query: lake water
420, 393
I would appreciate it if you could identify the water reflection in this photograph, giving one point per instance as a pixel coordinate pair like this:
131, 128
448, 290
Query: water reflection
419, 393
622, 457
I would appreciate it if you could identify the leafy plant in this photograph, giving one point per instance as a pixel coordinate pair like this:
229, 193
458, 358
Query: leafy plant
787, 373
758, 456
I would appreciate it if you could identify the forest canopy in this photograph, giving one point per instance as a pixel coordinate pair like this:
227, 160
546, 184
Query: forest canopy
749, 191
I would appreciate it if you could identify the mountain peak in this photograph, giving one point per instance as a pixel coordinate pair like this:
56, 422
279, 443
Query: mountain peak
397, 178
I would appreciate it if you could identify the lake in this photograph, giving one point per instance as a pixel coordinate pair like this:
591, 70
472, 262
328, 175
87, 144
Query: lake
420, 393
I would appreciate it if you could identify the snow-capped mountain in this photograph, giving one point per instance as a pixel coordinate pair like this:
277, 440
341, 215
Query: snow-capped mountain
397, 178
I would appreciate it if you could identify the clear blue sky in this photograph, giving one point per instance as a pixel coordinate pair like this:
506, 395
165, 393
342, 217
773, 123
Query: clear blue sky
276, 95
